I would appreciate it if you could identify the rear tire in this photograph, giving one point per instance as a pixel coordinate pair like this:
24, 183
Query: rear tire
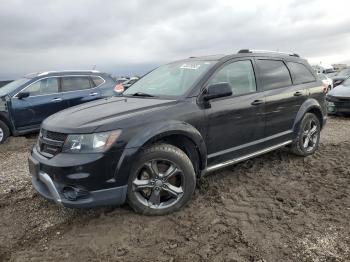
4, 132
162, 180
308, 136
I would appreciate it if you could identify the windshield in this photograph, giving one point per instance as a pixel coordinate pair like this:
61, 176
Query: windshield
172, 80
344, 72
346, 82
6, 89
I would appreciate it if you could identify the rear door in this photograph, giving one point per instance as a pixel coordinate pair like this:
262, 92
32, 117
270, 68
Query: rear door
235, 123
282, 99
78, 89
44, 100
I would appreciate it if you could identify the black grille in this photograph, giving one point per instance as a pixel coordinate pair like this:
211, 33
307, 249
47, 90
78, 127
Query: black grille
51, 143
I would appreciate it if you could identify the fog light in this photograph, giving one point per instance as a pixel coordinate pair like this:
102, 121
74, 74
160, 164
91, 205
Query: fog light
70, 193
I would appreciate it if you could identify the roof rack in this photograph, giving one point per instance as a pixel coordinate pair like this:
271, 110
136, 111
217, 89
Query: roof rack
244, 51
76, 71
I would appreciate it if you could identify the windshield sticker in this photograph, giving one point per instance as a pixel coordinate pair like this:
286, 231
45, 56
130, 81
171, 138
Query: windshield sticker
190, 66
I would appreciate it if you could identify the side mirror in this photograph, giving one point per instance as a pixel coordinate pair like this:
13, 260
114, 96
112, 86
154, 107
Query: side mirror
23, 95
217, 90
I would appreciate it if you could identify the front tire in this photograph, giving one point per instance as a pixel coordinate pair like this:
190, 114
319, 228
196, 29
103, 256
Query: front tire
161, 181
308, 136
4, 132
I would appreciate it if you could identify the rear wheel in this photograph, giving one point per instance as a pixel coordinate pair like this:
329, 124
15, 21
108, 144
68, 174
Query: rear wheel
162, 180
4, 132
308, 137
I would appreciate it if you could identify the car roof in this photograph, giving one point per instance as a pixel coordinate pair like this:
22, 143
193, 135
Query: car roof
62, 72
245, 53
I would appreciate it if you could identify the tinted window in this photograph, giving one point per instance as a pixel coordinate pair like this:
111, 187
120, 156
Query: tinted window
274, 74
300, 73
97, 80
240, 75
43, 87
74, 83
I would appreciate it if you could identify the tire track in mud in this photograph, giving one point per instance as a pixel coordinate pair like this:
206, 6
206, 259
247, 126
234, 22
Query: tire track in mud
276, 207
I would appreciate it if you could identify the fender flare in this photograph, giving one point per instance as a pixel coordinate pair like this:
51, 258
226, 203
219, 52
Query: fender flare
309, 105
156, 132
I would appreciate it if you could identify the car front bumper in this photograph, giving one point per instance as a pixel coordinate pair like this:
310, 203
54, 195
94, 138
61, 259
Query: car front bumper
72, 193
334, 107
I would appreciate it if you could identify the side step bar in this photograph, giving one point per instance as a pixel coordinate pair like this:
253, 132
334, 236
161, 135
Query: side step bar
240, 159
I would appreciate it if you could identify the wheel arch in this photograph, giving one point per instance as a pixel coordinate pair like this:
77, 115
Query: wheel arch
176, 133
7, 122
309, 106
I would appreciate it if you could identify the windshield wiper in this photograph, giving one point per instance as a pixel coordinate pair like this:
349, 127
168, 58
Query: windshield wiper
142, 94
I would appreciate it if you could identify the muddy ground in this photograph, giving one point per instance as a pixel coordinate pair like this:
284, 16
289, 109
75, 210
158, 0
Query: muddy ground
277, 207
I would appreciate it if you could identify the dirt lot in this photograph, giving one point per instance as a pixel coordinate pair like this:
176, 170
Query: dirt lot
276, 207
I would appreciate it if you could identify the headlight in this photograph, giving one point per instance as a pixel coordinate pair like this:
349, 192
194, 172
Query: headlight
90, 143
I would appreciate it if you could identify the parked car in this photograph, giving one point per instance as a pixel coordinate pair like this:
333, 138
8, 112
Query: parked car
327, 81
121, 80
177, 123
338, 100
341, 76
26, 102
121, 87
2, 83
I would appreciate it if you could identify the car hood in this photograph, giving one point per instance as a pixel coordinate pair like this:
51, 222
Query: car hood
88, 117
340, 91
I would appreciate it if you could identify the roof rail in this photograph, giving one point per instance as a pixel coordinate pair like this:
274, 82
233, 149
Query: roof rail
244, 51
77, 71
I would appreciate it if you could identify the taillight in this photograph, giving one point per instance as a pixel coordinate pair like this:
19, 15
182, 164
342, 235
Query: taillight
119, 88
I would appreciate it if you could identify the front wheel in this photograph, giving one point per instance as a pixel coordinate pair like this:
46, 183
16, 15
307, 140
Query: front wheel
161, 181
308, 136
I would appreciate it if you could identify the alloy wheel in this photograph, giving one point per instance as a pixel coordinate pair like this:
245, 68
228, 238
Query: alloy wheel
1, 134
159, 184
310, 135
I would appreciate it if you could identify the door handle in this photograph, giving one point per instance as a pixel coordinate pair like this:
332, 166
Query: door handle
93, 94
257, 102
56, 99
298, 93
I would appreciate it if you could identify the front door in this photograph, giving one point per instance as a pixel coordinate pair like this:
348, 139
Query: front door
235, 123
44, 100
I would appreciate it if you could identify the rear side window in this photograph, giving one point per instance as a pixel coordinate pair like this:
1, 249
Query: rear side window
300, 73
43, 87
97, 80
74, 83
240, 75
273, 74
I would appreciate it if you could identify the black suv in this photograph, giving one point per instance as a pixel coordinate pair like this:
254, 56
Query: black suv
175, 124
26, 102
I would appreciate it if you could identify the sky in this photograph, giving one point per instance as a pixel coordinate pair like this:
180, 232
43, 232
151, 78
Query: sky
134, 36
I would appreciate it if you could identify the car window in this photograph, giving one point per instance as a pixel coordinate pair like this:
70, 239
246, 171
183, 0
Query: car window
274, 74
300, 73
43, 87
74, 83
97, 80
240, 75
